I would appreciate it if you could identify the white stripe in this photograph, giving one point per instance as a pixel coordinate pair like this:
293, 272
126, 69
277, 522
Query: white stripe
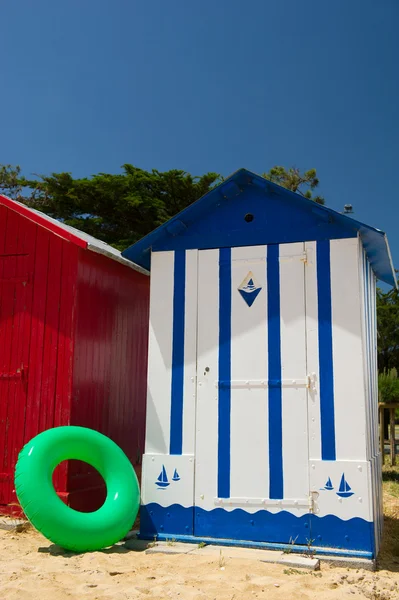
207, 395
190, 351
349, 393
312, 344
249, 406
160, 353
293, 362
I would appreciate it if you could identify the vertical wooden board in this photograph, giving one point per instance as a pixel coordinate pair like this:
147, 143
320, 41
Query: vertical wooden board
66, 335
116, 372
373, 292
349, 394
51, 333
293, 361
249, 475
25, 266
3, 348
160, 353
190, 351
11, 307
206, 463
101, 357
312, 351
37, 334
125, 409
90, 372
365, 344
367, 356
107, 323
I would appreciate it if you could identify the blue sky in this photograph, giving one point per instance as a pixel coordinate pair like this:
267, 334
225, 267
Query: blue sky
208, 86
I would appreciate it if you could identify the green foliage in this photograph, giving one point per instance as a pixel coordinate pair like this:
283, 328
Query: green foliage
292, 179
118, 209
388, 386
388, 329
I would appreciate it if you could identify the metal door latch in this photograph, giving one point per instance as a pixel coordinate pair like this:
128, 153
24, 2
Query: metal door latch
311, 382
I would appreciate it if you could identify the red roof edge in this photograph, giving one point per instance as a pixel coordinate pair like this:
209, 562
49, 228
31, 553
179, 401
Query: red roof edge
52, 225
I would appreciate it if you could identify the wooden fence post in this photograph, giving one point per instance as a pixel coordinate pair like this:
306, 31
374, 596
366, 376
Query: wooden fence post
382, 449
392, 435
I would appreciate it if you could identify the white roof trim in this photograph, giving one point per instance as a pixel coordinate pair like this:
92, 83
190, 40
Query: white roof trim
114, 254
93, 243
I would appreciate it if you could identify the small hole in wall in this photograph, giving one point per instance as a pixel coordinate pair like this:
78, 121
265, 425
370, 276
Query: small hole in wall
248, 217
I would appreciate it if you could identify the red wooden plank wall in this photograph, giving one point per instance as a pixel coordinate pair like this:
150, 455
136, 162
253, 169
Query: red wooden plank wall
37, 281
110, 362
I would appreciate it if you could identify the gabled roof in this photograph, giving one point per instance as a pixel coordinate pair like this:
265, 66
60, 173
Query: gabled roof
279, 216
75, 236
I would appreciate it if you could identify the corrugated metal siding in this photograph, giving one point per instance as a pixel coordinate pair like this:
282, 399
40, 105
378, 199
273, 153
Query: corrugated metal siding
37, 273
110, 360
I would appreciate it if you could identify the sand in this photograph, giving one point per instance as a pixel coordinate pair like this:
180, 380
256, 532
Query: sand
32, 568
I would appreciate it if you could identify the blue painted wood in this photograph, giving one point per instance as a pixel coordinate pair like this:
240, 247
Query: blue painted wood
280, 529
327, 412
280, 216
224, 401
294, 548
274, 359
176, 412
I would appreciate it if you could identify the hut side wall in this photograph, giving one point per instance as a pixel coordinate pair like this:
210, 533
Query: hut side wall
37, 279
368, 285
110, 364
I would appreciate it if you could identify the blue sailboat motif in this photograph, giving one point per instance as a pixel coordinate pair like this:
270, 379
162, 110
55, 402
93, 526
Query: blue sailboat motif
162, 480
329, 485
176, 476
345, 491
249, 290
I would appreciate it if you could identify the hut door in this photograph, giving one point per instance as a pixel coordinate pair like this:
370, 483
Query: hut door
14, 346
251, 422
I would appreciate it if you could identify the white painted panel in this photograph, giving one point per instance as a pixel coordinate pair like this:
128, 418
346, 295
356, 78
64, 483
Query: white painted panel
312, 344
365, 344
249, 405
327, 502
207, 394
178, 491
160, 353
374, 367
349, 392
293, 364
190, 352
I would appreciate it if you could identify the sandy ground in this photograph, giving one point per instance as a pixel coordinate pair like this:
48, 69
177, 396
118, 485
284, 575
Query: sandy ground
31, 568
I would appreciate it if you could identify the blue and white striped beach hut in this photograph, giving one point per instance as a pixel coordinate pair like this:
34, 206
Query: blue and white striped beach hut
262, 377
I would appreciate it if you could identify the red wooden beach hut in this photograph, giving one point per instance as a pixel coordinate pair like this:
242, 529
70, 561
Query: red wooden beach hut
73, 345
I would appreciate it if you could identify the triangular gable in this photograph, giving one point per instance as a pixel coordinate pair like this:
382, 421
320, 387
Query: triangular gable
248, 210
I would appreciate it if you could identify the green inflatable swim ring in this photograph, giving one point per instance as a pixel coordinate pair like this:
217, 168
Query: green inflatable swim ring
62, 525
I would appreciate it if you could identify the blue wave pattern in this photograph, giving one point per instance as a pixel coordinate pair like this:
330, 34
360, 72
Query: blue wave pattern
263, 526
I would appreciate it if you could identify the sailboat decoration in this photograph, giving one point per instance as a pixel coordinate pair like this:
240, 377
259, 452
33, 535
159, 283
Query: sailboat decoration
329, 485
176, 476
344, 488
162, 480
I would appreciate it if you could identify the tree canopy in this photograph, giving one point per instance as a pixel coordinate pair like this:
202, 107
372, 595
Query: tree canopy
292, 179
388, 329
118, 209
121, 208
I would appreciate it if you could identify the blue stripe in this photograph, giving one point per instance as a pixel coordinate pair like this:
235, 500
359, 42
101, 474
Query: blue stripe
224, 372
176, 411
327, 416
275, 393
